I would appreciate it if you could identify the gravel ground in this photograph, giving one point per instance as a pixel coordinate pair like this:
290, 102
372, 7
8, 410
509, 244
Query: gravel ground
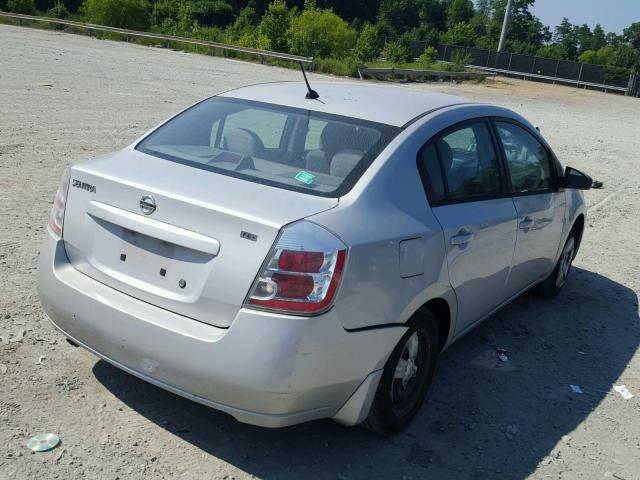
65, 98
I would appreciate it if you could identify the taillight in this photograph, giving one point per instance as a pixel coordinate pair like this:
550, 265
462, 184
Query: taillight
302, 273
56, 218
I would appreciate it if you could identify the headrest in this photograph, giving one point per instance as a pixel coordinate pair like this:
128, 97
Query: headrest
344, 162
366, 138
445, 153
243, 141
337, 136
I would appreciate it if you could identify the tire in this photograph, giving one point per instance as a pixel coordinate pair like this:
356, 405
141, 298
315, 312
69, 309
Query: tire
558, 278
400, 395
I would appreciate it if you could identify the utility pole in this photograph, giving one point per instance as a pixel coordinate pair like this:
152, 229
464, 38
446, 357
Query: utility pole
505, 27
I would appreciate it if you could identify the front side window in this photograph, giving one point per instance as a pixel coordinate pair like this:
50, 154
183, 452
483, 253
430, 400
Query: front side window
527, 159
467, 163
311, 152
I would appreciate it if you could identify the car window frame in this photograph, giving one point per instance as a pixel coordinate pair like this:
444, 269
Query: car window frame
551, 158
434, 202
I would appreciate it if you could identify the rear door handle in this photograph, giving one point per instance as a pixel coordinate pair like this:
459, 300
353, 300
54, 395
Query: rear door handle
528, 222
462, 237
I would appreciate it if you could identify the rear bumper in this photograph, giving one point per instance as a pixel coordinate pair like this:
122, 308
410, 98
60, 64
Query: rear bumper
266, 369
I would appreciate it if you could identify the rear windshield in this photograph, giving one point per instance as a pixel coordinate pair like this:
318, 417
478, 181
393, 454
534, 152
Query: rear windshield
290, 148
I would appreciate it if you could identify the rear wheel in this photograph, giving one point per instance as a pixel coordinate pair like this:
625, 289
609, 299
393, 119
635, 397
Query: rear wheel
405, 379
554, 283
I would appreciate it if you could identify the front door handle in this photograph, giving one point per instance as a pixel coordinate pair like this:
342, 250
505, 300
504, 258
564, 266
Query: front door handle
527, 223
462, 237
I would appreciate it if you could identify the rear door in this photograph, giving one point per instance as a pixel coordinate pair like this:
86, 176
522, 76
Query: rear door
466, 189
532, 180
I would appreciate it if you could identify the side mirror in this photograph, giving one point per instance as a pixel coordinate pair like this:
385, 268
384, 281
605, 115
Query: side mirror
575, 179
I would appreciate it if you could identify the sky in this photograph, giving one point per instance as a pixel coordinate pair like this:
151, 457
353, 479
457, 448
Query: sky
613, 15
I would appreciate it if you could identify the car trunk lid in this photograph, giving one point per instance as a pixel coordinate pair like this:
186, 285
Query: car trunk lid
197, 253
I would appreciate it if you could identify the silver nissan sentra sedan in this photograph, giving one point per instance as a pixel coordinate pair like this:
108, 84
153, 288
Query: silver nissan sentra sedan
284, 259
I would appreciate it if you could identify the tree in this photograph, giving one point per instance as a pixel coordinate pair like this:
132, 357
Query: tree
459, 11
523, 28
459, 34
554, 50
584, 36
565, 34
599, 40
131, 14
275, 24
395, 52
22, 6
215, 12
613, 39
320, 33
625, 56
400, 15
632, 34
432, 14
367, 43
602, 56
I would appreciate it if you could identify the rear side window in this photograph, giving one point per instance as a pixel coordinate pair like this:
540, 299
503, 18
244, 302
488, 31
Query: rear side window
528, 160
295, 149
461, 164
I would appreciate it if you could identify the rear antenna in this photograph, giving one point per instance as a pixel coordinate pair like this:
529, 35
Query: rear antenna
311, 94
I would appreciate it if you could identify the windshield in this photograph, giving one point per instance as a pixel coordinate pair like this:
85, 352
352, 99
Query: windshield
290, 148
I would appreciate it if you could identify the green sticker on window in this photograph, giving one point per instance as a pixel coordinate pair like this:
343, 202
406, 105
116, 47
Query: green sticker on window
304, 177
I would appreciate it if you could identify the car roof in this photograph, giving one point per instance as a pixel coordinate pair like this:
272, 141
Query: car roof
391, 105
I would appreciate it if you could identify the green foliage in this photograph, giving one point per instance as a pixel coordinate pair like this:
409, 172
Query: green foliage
163, 10
521, 47
598, 39
459, 34
46, 5
275, 24
554, 50
367, 43
632, 34
320, 33
212, 12
344, 67
22, 6
327, 29
459, 59
397, 15
459, 11
244, 28
58, 10
131, 14
612, 72
427, 58
395, 52
622, 56
625, 56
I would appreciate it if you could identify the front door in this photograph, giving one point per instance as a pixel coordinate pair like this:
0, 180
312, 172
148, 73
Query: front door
539, 204
468, 196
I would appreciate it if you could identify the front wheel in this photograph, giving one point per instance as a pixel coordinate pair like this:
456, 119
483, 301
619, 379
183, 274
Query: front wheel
405, 379
554, 283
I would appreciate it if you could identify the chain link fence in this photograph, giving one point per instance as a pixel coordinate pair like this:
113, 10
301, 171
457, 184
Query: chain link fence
531, 67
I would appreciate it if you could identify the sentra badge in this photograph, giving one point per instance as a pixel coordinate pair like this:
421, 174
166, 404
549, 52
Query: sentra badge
83, 185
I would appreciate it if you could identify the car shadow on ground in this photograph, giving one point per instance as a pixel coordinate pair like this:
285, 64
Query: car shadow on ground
483, 418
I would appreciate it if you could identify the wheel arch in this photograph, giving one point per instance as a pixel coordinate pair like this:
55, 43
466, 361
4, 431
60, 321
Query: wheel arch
441, 310
578, 227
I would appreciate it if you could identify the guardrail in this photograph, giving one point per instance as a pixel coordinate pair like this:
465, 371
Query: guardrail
375, 72
159, 36
577, 83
